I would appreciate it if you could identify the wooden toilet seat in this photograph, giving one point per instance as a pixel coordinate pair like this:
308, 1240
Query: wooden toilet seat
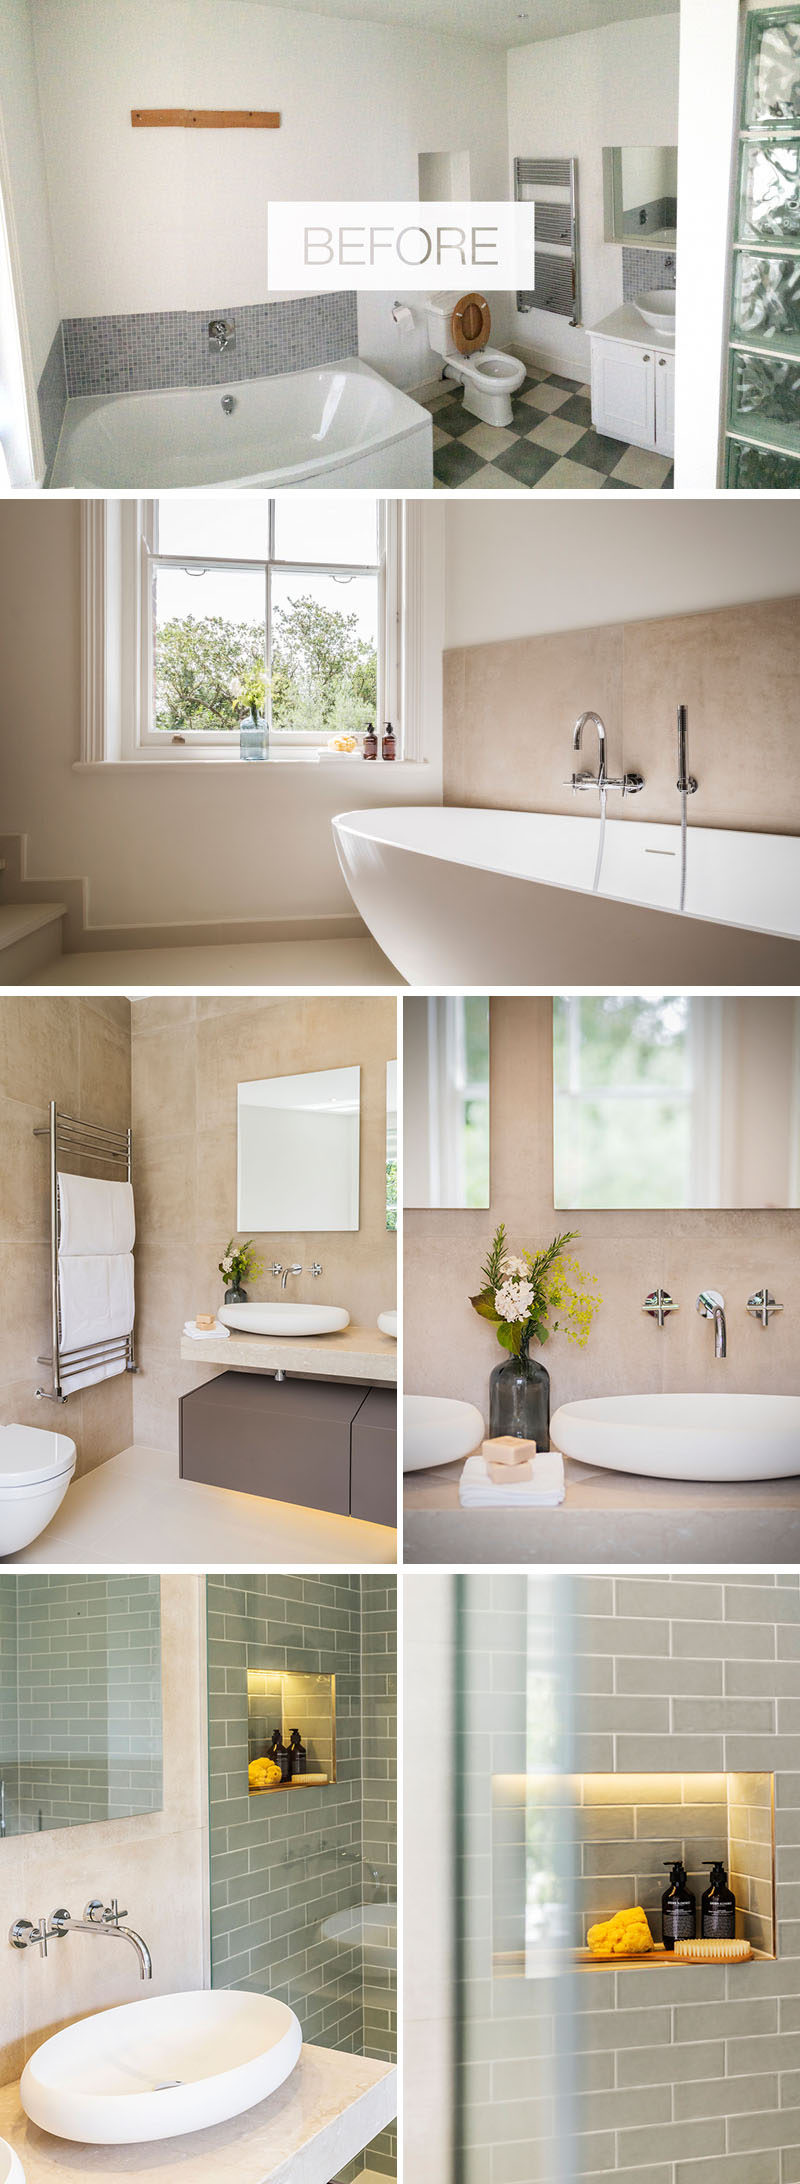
471, 324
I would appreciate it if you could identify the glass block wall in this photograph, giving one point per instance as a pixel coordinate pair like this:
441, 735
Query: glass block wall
285, 1867
762, 439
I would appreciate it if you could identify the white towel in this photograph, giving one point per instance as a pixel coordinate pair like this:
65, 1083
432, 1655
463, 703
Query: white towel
544, 1491
96, 1300
205, 1334
96, 1217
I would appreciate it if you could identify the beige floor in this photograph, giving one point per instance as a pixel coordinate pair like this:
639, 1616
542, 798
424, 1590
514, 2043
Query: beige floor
248, 963
135, 1509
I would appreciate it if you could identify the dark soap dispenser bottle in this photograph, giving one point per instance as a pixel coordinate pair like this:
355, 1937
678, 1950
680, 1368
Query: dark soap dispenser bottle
718, 1907
678, 1907
297, 1753
279, 1752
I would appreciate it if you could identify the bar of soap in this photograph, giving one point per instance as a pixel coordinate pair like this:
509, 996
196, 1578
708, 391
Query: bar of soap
510, 1474
206, 1319
506, 1450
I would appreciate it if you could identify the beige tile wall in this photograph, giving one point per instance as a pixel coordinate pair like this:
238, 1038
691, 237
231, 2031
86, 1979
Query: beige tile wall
188, 1058
156, 1865
510, 709
449, 1351
78, 1053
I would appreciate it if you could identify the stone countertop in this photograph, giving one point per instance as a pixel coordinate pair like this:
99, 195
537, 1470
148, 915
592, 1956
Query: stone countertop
627, 324
353, 1353
607, 1516
328, 2110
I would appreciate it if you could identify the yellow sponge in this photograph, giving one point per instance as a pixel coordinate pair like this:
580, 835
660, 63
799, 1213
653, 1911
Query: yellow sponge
263, 1774
627, 1934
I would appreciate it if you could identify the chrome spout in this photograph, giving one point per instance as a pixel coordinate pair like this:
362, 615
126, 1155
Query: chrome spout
102, 1918
711, 1306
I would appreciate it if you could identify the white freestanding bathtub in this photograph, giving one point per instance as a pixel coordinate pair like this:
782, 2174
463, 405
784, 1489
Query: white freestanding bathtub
459, 896
341, 425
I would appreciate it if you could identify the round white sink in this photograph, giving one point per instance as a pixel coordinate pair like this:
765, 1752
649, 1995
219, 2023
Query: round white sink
284, 1319
657, 306
684, 1436
437, 1429
387, 1322
11, 2169
155, 2069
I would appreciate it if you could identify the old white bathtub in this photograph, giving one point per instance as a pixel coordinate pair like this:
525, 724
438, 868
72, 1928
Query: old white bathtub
505, 898
341, 425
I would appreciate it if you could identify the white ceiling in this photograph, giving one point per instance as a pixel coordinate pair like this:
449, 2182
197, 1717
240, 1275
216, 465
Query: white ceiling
493, 22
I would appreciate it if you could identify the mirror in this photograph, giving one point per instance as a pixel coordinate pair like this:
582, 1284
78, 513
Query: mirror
300, 1711
80, 1700
299, 1152
446, 1101
640, 191
667, 1100
391, 1146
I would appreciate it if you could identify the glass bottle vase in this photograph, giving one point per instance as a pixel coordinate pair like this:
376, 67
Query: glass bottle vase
519, 1400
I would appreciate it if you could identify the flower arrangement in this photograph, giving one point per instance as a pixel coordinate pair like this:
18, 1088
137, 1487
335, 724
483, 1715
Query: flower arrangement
239, 1264
249, 693
531, 1295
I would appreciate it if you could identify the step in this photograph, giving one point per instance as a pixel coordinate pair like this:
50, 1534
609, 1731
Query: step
30, 938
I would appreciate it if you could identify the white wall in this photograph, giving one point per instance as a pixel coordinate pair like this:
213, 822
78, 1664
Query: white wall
149, 220
709, 55
571, 96
522, 567
22, 131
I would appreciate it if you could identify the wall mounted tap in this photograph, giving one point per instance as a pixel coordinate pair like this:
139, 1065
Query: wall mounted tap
629, 783
686, 783
711, 1306
659, 1305
284, 1272
221, 334
98, 1918
316, 1269
761, 1306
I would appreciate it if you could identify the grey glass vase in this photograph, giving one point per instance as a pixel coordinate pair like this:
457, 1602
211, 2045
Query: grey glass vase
519, 1400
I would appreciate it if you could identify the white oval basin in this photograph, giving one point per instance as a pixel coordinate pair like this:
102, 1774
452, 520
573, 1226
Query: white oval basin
387, 1322
11, 2169
657, 306
154, 2069
684, 1436
438, 1430
284, 1319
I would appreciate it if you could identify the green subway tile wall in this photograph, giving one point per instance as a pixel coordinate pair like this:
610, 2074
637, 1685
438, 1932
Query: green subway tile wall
284, 1868
82, 1732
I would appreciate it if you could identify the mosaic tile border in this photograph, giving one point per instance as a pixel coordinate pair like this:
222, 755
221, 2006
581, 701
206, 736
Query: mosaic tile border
131, 352
646, 269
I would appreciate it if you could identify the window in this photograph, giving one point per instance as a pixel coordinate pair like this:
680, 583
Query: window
633, 1081
254, 610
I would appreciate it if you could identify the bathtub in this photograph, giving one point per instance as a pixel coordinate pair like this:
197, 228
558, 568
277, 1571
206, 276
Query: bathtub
341, 425
477, 898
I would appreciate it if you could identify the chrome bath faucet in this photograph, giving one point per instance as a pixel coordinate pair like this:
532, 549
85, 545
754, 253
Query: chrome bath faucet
711, 1306
98, 1918
629, 783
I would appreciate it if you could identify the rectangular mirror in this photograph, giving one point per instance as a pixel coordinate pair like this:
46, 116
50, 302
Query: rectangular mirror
80, 1700
640, 194
299, 1140
446, 1101
391, 1146
676, 1101
299, 1710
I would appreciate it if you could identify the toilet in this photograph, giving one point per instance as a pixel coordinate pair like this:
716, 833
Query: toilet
35, 1470
459, 329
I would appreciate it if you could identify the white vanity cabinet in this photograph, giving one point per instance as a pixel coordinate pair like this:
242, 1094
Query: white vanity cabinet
633, 383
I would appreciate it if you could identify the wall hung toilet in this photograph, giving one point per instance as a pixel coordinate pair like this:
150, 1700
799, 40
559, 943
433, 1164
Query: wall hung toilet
459, 329
35, 1470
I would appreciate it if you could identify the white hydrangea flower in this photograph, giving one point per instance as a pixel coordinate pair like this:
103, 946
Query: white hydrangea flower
513, 1300
511, 1266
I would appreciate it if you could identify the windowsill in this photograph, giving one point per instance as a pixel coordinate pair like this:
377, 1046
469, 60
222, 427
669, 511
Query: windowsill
152, 762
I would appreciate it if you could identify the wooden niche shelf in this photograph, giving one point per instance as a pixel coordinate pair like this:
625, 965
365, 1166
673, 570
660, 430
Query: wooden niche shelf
198, 117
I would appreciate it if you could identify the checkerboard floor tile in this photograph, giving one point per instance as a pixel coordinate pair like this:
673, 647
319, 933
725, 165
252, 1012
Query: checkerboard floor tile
549, 445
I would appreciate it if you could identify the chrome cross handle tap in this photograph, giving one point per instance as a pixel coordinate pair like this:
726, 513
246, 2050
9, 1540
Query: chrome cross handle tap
761, 1306
659, 1305
711, 1305
284, 1272
98, 1918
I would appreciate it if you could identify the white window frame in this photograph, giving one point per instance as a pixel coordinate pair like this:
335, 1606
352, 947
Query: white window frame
116, 549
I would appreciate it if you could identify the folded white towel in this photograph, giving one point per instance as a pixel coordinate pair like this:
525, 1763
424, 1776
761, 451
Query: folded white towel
96, 1299
95, 1217
90, 1375
544, 1491
205, 1334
